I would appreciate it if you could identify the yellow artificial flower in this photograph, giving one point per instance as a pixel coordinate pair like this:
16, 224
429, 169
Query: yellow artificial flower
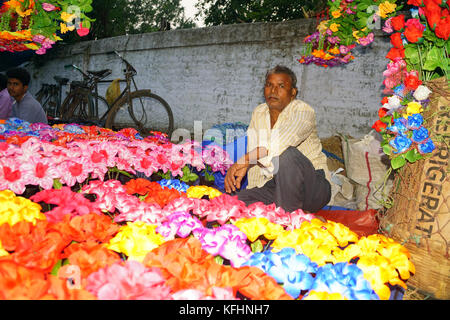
413, 108
322, 27
385, 8
342, 233
336, 14
200, 191
255, 227
14, 209
322, 295
135, 240
334, 27
66, 17
65, 28
22, 13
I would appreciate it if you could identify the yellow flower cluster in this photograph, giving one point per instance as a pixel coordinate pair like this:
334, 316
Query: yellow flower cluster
380, 258
135, 240
255, 227
14, 209
322, 295
200, 191
318, 240
385, 8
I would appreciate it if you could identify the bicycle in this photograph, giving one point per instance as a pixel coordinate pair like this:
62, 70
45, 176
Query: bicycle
140, 109
49, 96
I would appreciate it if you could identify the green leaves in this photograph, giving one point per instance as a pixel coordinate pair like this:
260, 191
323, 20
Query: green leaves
188, 176
398, 162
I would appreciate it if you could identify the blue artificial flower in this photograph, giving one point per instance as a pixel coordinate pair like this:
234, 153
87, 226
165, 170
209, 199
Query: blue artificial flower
414, 12
399, 126
420, 135
415, 121
174, 184
73, 128
426, 147
292, 270
401, 143
398, 90
346, 279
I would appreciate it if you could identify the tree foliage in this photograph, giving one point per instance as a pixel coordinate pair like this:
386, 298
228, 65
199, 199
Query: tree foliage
119, 17
217, 12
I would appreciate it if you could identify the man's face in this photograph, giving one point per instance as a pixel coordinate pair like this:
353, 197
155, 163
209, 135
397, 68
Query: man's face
278, 91
16, 89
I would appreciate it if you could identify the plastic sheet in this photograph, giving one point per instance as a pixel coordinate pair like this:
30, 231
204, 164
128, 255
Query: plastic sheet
363, 223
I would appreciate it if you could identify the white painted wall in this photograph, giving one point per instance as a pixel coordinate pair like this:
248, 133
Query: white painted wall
216, 74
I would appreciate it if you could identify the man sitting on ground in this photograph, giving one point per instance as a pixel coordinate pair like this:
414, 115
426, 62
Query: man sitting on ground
25, 106
285, 162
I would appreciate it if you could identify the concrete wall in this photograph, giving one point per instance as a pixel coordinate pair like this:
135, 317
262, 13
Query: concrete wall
216, 74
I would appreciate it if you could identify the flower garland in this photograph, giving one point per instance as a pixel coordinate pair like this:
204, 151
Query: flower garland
419, 53
351, 23
35, 25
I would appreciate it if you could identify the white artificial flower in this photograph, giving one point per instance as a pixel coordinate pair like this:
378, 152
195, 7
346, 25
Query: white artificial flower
394, 102
421, 93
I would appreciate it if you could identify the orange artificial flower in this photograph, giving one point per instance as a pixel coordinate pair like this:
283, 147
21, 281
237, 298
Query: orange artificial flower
186, 266
88, 227
142, 186
89, 256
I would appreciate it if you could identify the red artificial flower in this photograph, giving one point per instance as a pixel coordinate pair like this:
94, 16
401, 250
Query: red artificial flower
412, 81
142, 186
396, 40
395, 53
379, 126
382, 112
384, 100
443, 28
398, 22
414, 30
416, 3
433, 12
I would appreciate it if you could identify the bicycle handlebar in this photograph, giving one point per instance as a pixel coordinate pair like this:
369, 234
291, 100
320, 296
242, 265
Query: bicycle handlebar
129, 66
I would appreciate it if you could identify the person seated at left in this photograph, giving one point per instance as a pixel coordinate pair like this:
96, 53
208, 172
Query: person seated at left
25, 106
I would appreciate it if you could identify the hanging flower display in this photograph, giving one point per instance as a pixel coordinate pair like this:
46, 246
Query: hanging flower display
419, 53
37, 25
350, 23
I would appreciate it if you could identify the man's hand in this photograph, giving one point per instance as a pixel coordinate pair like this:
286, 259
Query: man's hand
234, 176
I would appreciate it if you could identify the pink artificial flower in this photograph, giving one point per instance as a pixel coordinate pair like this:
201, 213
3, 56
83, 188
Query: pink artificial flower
387, 26
41, 171
76, 170
66, 201
11, 176
367, 40
130, 280
48, 7
82, 31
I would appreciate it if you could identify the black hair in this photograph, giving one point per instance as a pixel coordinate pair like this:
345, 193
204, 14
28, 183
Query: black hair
21, 74
3, 81
284, 70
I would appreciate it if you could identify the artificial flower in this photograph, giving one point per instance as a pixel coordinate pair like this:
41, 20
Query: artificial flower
379, 126
48, 6
128, 281
398, 22
385, 8
14, 209
413, 108
426, 147
135, 240
413, 30
420, 135
421, 93
400, 143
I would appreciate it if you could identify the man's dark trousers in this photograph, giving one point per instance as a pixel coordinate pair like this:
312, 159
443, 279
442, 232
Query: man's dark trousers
296, 185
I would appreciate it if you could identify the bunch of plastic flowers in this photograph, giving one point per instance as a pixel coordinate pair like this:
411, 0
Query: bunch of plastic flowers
351, 23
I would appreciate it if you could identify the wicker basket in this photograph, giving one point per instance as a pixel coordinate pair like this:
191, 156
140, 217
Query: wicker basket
420, 215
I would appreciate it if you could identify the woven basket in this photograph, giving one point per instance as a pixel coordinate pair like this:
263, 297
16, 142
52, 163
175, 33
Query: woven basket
420, 215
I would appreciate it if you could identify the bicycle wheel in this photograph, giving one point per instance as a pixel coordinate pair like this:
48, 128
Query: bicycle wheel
77, 106
147, 112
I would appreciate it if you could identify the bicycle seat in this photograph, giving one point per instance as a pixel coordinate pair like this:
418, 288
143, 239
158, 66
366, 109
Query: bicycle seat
101, 73
61, 81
